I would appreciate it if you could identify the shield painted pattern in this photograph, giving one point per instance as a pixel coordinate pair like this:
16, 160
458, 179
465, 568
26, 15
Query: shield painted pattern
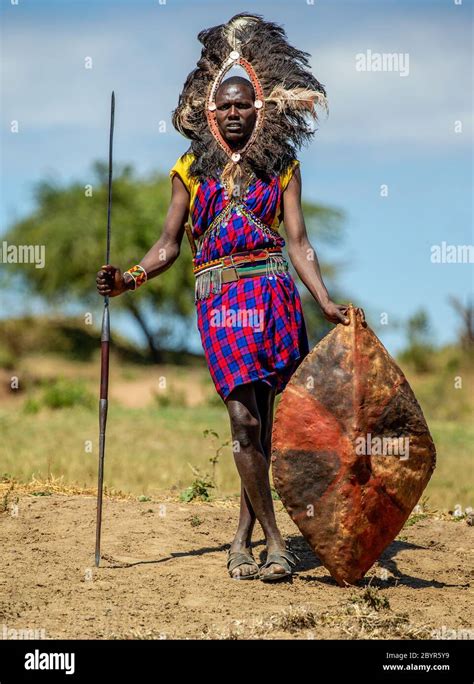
351, 450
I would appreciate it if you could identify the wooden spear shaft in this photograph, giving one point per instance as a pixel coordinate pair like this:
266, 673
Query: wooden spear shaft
104, 355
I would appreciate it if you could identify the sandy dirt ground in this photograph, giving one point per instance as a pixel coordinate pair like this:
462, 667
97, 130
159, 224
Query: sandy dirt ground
163, 576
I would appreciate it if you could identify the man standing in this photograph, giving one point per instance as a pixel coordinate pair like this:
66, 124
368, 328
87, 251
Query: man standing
238, 181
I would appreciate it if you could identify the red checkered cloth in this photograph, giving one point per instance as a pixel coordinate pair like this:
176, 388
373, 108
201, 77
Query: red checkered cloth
254, 328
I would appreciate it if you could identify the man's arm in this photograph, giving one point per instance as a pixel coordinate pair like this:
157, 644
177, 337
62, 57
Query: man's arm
110, 280
303, 256
166, 250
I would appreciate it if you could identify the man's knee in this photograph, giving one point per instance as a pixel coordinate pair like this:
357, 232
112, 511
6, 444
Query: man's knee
245, 428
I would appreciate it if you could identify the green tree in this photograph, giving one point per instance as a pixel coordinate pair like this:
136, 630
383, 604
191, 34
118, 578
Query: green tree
419, 350
466, 314
325, 227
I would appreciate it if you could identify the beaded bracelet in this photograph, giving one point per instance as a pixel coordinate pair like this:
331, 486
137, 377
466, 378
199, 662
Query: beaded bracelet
138, 274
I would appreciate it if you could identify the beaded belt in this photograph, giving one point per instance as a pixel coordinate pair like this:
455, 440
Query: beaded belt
227, 269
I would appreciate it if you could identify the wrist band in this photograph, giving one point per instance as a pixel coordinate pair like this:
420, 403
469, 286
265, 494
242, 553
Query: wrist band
138, 274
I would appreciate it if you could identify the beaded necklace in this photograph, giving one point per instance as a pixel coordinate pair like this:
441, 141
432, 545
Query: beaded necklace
235, 204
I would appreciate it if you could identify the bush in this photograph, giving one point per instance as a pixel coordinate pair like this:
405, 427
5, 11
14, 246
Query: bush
7, 358
172, 397
198, 489
61, 393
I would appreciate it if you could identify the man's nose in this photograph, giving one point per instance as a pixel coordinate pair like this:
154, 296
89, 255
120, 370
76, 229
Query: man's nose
233, 112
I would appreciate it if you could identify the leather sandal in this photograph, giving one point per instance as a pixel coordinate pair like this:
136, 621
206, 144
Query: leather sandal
286, 559
236, 558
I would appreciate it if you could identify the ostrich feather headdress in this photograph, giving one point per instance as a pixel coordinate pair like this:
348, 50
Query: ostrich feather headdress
286, 97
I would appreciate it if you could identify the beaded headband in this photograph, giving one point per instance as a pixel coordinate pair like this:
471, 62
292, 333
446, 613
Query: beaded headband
259, 104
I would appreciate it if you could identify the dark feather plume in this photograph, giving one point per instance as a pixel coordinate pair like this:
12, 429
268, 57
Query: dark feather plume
284, 73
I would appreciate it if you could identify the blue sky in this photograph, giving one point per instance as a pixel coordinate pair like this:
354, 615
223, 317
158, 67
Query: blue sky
383, 127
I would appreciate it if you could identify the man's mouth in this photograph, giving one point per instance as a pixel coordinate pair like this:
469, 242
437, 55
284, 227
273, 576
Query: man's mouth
234, 127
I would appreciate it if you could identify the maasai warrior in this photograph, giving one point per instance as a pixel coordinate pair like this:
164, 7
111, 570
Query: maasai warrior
238, 181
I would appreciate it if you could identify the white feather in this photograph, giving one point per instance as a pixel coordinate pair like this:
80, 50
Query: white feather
230, 30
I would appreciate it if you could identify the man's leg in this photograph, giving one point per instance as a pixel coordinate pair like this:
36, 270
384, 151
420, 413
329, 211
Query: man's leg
265, 401
265, 396
252, 464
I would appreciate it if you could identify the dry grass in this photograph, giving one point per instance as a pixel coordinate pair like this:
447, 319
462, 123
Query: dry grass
54, 485
155, 438
11, 489
357, 619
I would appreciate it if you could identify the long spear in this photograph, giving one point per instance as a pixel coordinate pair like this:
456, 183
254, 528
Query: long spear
104, 355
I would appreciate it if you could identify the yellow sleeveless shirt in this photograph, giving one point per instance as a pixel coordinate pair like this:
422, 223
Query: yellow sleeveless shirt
192, 184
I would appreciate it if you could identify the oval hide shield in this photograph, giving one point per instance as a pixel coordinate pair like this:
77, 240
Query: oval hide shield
351, 450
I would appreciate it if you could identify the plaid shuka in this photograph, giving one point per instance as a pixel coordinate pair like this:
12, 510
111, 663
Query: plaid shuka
254, 328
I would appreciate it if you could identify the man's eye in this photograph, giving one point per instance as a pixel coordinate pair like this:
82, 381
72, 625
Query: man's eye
239, 105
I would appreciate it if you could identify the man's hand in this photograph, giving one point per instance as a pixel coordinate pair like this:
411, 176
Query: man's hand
335, 313
110, 281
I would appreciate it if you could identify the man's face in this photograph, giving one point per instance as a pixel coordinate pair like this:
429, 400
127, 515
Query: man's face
235, 113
